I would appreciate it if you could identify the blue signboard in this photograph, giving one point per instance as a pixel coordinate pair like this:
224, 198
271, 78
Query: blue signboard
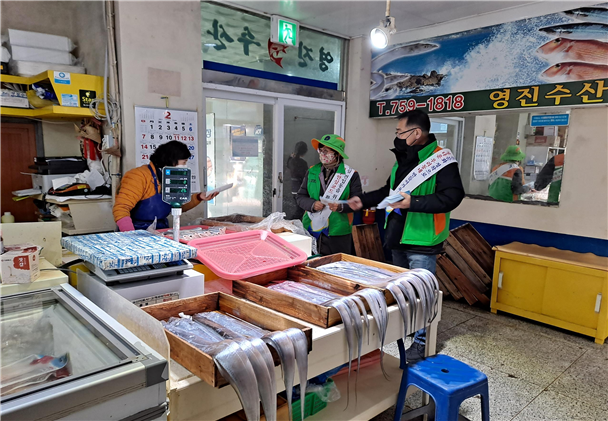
550, 120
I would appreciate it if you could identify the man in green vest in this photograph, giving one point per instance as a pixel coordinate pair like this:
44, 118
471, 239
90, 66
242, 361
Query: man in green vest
419, 224
323, 194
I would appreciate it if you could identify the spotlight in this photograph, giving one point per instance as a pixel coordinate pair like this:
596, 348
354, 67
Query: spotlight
380, 36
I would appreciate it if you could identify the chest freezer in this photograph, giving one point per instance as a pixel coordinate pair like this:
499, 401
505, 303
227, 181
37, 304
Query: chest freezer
64, 358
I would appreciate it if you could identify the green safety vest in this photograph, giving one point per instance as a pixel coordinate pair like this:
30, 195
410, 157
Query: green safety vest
556, 186
424, 229
501, 188
339, 223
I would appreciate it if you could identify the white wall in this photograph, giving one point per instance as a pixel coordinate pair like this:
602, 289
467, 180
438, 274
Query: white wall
165, 36
583, 206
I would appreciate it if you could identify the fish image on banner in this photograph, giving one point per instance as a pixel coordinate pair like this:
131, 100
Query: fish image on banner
570, 71
526, 52
581, 45
564, 49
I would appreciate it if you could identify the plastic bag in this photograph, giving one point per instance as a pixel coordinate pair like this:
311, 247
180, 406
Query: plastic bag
327, 392
277, 221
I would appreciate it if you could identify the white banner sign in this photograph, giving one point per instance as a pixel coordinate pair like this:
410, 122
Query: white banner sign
155, 126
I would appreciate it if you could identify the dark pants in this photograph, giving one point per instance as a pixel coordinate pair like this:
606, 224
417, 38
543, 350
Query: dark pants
335, 244
408, 260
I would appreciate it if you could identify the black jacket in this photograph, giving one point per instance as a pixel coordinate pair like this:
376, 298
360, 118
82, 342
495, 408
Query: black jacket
297, 167
448, 195
306, 202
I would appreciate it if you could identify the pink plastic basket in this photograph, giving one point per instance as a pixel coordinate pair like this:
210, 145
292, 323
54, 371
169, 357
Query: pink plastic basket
245, 254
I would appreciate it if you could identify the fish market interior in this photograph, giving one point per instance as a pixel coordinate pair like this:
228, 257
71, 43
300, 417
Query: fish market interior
288, 209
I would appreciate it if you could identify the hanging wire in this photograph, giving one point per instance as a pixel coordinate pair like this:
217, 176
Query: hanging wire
113, 109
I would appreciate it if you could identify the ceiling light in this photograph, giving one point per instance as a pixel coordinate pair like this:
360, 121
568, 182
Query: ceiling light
381, 35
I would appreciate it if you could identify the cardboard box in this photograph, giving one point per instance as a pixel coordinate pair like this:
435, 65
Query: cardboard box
20, 264
13, 99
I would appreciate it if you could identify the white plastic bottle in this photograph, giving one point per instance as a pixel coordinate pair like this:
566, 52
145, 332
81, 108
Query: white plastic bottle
8, 218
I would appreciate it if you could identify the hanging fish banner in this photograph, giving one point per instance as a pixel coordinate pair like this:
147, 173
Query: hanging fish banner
549, 95
454, 72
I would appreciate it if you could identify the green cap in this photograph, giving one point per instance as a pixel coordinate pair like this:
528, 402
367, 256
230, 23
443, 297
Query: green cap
513, 153
332, 141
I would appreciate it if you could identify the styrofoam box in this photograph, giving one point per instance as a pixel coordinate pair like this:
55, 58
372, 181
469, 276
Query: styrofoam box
40, 40
33, 68
42, 54
13, 99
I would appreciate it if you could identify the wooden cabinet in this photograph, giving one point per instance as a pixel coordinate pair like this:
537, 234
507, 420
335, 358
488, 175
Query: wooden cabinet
561, 288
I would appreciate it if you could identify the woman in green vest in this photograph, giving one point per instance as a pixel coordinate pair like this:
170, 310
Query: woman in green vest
507, 181
323, 195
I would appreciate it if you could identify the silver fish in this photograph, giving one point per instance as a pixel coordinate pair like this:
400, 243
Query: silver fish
263, 367
235, 367
401, 303
377, 304
345, 314
589, 14
284, 346
582, 30
356, 317
363, 314
235, 324
232, 363
401, 51
300, 345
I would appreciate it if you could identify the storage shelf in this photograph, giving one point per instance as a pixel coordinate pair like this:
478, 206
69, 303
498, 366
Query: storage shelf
375, 394
50, 112
73, 86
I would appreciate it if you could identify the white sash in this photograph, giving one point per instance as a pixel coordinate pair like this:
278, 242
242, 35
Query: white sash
320, 220
495, 175
558, 172
419, 175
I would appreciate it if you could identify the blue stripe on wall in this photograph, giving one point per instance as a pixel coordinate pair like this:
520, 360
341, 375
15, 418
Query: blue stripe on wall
498, 235
226, 68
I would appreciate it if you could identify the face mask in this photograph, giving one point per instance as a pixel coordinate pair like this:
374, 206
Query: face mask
181, 166
400, 144
327, 157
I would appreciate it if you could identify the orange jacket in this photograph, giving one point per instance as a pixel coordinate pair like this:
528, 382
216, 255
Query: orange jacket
138, 185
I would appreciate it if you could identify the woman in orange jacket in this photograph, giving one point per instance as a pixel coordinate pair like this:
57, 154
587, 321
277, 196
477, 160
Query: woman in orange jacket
139, 200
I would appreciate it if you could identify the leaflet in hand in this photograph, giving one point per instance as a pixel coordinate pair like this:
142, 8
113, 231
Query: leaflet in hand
220, 189
389, 200
337, 202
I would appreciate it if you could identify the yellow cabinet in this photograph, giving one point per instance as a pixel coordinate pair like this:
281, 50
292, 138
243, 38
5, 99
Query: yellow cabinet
561, 288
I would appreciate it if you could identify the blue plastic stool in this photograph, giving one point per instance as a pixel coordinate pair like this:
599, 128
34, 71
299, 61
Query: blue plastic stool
448, 381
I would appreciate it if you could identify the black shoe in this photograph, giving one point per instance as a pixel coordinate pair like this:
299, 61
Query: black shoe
415, 352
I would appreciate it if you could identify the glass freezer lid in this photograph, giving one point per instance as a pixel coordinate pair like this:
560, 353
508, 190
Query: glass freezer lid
49, 339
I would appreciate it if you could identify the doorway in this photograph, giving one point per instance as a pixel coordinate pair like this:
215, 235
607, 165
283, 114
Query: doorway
251, 138
17, 153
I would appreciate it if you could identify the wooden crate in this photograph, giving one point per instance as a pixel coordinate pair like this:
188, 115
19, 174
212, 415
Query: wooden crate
254, 289
341, 257
200, 363
238, 222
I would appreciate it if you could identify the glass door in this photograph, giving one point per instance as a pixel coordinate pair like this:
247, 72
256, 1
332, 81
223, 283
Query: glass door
301, 121
261, 143
239, 136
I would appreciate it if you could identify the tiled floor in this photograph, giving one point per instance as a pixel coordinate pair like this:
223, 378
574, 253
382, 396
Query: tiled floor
535, 372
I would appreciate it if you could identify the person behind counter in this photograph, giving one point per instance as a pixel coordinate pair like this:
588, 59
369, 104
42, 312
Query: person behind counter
507, 178
551, 174
330, 224
297, 166
139, 200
